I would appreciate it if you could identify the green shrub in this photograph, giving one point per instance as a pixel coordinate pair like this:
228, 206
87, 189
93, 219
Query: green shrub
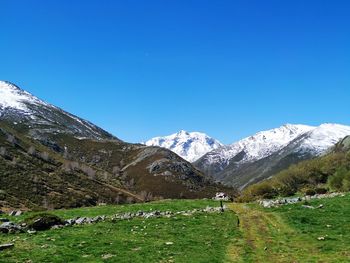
321, 190
310, 191
340, 181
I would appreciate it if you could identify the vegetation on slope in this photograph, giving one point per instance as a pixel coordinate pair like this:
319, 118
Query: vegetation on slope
64, 171
329, 172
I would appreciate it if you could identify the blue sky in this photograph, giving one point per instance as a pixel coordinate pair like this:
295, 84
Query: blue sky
145, 68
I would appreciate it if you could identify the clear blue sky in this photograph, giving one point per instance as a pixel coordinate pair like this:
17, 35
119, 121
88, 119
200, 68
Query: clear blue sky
145, 68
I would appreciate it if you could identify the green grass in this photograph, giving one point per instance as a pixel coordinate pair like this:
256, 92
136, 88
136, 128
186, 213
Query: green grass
290, 233
332, 222
199, 238
285, 234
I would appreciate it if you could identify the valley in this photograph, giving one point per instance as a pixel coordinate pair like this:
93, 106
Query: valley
100, 199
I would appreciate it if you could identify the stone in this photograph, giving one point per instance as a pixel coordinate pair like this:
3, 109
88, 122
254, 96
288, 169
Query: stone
9, 227
44, 222
80, 220
107, 256
6, 246
308, 206
12, 213
18, 213
169, 243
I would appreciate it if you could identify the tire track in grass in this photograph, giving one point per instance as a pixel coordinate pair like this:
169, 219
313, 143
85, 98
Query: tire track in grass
264, 237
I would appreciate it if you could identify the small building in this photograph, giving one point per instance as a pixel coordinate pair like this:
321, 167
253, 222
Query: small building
221, 196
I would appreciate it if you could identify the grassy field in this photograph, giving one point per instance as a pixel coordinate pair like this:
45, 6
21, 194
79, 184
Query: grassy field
198, 238
289, 233
293, 233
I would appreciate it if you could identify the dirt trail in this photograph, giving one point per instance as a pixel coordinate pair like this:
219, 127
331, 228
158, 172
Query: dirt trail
264, 237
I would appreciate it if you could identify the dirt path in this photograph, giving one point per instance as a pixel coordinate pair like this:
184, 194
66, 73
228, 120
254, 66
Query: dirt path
263, 237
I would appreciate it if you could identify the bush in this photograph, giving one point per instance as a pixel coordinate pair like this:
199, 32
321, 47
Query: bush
340, 181
321, 190
310, 191
43, 221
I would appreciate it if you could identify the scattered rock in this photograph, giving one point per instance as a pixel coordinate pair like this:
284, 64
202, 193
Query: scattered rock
321, 238
9, 227
286, 201
169, 243
80, 220
308, 206
107, 256
6, 246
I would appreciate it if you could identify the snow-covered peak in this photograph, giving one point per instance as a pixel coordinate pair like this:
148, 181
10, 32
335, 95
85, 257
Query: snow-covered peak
13, 97
189, 145
324, 137
258, 146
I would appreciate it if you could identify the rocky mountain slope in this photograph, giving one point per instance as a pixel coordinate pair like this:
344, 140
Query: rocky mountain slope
50, 158
260, 156
189, 145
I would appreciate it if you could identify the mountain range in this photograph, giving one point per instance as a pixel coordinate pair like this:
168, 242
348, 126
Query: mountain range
50, 158
256, 157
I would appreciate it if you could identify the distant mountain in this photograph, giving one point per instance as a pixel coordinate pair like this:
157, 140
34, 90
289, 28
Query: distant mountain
50, 158
189, 145
262, 155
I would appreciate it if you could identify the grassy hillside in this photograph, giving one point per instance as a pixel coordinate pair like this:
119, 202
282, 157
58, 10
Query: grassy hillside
63, 171
329, 172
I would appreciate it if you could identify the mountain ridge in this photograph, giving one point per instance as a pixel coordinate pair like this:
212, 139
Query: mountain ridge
255, 158
189, 145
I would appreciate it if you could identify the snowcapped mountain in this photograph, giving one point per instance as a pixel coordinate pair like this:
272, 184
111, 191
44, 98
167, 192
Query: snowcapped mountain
189, 145
256, 147
259, 156
22, 108
320, 139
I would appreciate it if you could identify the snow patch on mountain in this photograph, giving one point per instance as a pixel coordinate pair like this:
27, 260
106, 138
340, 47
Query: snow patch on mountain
189, 145
13, 97
322, 138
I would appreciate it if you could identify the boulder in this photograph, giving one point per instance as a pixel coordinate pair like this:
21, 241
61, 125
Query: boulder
43, 222
9, 227
80, 220
6, 246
